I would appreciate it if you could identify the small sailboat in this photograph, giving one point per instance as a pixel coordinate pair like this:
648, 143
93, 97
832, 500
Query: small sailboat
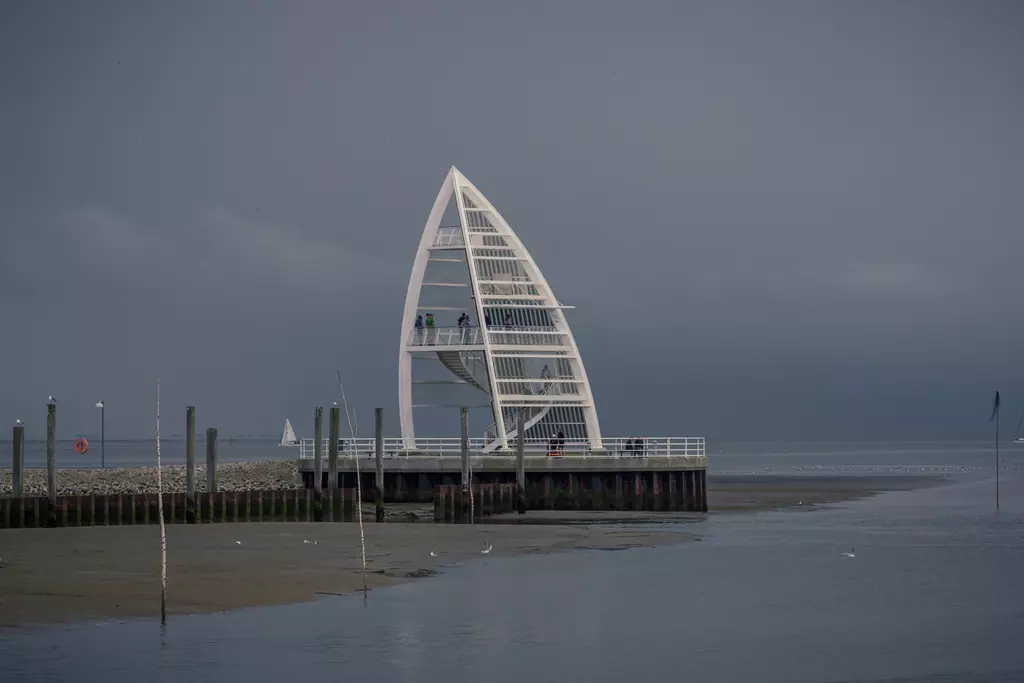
288, 437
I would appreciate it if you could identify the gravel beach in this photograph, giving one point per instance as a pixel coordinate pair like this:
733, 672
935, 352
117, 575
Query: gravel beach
233, 476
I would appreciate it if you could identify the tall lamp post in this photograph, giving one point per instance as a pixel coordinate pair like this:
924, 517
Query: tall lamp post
103, 429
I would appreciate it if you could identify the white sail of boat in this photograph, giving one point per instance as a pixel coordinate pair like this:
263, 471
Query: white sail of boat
288, 438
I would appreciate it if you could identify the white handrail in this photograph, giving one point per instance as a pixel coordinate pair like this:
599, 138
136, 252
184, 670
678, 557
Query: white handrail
445, 336
614, 447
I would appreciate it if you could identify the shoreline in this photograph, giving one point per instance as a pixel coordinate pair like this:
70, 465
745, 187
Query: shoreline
759, 492
54, 576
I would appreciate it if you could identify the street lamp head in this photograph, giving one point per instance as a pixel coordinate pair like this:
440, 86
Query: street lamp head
99, 404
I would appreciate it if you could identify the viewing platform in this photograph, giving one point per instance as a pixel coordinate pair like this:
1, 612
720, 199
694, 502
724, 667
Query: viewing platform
482, 332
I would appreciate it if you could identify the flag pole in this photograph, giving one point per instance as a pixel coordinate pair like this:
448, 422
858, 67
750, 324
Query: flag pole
995, 416
997, 451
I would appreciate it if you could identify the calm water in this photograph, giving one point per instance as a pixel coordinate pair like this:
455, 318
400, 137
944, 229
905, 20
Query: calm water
935, 593
725, 458
899, 457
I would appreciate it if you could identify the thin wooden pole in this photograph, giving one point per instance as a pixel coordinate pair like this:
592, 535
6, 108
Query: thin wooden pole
318, 449
51, 452
160, 512
521, 464
190, 453
18, 460
211, 459
353, 432
467, 477
359, 512
995, 416
332, 449
997, 454
378, 452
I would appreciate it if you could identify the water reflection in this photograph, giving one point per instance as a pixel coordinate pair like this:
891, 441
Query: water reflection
933, 594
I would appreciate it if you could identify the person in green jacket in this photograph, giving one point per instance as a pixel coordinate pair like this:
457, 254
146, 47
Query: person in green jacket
430, 328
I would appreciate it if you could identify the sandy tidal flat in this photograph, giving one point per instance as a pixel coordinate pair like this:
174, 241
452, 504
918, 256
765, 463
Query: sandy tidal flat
53, 575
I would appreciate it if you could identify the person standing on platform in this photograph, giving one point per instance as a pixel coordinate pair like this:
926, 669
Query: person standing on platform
419, 329
430, 328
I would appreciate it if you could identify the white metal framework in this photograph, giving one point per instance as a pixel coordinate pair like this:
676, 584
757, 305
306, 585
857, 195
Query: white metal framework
523, 357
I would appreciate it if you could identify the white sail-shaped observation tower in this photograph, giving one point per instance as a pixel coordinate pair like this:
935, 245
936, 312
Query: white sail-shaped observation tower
516, 353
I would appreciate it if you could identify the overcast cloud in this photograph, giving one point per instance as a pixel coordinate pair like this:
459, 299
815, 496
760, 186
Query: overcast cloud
776, 220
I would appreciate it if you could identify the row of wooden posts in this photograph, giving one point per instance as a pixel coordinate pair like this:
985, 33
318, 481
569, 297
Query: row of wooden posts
332, 456
18, 465
18, 457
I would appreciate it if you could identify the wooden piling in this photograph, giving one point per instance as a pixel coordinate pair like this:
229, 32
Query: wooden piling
318, 450
521, 464
18, 460
190, 454
51, 452
464, 445
378, 432
438, 504
211, 459
332, 449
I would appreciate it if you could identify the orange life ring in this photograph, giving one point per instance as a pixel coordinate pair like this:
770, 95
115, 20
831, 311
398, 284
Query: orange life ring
81, 446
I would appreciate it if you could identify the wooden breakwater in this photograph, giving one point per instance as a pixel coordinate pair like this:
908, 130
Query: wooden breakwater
619, 491
452, 503
289, 505
644, 491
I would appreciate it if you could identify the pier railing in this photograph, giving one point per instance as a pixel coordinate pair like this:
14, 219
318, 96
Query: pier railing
613, 447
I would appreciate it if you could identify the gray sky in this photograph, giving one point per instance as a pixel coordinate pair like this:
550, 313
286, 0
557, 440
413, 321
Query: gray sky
776, 220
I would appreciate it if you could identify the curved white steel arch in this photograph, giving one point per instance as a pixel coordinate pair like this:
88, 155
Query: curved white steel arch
499, 264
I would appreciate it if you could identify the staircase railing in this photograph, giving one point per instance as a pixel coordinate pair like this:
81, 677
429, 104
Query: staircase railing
491, 433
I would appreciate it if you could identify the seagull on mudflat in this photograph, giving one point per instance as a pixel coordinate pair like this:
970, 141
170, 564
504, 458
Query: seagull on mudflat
433, 553
487, 548
849, 554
